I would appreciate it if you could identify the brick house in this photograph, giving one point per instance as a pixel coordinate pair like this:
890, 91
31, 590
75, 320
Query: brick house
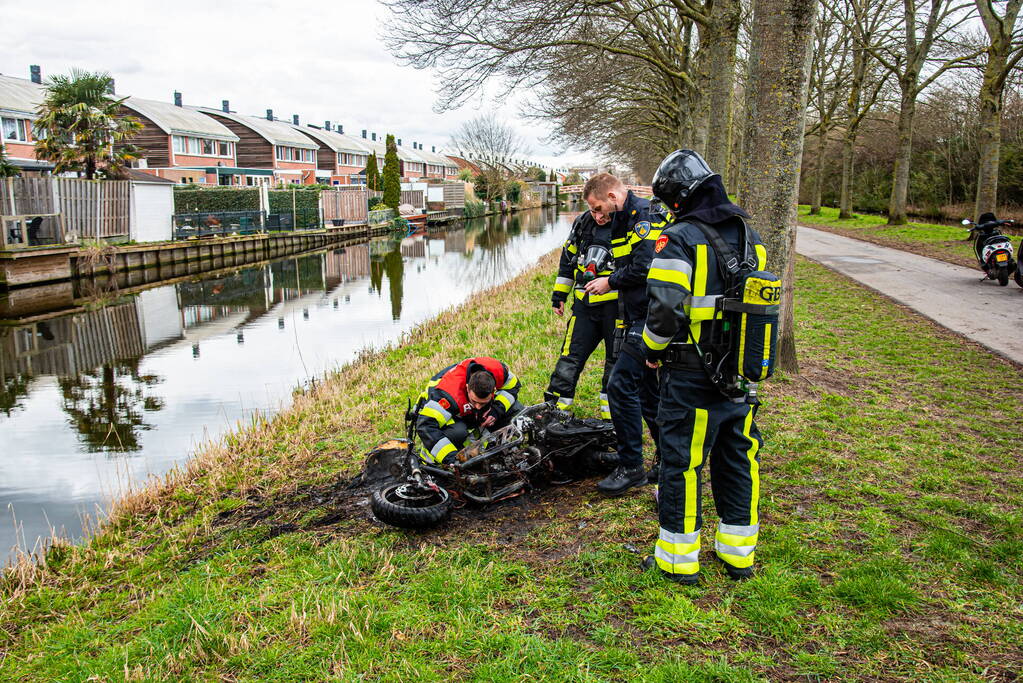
183, 145
19, 100
340, 158
266, 143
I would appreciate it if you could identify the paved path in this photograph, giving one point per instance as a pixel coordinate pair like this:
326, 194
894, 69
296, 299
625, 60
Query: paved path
950, 295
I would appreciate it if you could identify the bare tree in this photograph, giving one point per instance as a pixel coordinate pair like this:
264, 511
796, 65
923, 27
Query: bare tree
1004, 50
493, 146
868, 24
919, 28
776, 105
829, 67
469, 41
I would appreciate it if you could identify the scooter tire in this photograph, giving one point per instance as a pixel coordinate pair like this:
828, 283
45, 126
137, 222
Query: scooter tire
1003, 276
401, 506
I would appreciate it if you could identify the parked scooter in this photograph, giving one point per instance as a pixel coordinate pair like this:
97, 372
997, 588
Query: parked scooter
993, 249
1017, 275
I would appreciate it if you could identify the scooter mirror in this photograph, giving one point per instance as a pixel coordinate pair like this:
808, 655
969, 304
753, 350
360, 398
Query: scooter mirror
966, 221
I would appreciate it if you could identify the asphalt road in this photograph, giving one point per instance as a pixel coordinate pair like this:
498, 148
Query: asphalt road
950, 295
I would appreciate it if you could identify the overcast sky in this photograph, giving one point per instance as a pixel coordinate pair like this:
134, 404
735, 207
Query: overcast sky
318, 60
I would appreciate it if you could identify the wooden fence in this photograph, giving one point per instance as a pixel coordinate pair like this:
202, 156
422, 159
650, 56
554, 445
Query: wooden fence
89, 209
350, 205
414, 197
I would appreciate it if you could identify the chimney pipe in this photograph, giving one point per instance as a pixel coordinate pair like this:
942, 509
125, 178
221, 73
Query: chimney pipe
225, 106
364, 133
294, 119
269, 114
326, 125
177, 99
374, 137
399, 142
433, 148
36, 74
340, 129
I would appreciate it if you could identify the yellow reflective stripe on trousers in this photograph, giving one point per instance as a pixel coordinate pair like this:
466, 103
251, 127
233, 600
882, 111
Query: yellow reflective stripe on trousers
690, 475
433, 413
754, 468
736, 545
568, 336
677, 553
605, 407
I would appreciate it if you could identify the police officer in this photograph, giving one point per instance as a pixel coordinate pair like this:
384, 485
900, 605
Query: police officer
632, 386
585, 256
699, 421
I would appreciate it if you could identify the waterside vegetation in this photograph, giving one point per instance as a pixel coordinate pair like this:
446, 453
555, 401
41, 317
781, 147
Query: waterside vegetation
891, 509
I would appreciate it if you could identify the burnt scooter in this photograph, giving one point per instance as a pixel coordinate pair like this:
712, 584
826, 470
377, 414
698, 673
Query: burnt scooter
993, 250
542, 446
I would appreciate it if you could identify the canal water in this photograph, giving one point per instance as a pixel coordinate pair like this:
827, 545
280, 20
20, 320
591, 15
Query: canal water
125, 387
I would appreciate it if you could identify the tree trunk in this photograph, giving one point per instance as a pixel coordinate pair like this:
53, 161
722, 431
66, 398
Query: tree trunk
848, 154
818, 171
723, 38
990, 134
776, 110
903, 159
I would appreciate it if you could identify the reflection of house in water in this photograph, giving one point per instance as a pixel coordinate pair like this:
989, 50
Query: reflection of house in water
72, 344
454, 242
414, 247
344, 265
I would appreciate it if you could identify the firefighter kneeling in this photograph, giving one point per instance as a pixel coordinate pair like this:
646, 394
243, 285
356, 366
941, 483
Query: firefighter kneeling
478, 393
711, 325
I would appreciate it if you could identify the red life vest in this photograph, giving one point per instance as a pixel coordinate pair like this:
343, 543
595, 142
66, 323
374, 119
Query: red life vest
454, 381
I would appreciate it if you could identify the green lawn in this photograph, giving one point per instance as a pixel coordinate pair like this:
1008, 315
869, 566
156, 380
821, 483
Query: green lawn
891, 517
944, 242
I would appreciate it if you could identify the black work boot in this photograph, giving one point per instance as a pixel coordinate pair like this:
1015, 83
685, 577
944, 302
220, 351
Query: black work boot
736, 573
683, 579
622, 479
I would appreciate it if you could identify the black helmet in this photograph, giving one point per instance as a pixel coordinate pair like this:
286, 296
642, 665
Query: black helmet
679, 174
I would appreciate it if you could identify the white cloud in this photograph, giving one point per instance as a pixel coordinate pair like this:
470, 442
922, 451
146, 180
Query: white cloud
320, 61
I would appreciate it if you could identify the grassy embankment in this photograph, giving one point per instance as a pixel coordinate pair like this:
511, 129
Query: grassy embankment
943, 242
890, 545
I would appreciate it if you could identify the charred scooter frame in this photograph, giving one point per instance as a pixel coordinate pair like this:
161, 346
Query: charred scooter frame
542, 446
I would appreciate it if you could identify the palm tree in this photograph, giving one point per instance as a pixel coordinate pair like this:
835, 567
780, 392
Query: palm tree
7, 169
79, 127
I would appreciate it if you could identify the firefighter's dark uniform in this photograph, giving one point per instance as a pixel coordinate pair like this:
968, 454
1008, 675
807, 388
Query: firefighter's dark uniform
445, 414
632, 387
697, 421
593, 316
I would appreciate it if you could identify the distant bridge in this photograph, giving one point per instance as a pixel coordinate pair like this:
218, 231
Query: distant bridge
641, 190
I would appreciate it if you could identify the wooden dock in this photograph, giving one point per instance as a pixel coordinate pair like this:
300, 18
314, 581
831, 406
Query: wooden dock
42, 265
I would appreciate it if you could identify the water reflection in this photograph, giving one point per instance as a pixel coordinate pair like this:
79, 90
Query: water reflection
119, 388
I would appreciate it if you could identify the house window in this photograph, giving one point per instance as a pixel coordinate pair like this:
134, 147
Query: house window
207, 147
15, 129
179, 144
224, 149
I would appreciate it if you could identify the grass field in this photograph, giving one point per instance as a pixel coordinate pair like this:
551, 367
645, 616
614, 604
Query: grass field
891, 516
944, 242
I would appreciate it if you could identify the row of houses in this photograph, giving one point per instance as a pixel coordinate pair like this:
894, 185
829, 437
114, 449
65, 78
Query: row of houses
192, 144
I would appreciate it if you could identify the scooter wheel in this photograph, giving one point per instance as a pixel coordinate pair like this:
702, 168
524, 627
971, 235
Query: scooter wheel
1003, 276
409, 506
